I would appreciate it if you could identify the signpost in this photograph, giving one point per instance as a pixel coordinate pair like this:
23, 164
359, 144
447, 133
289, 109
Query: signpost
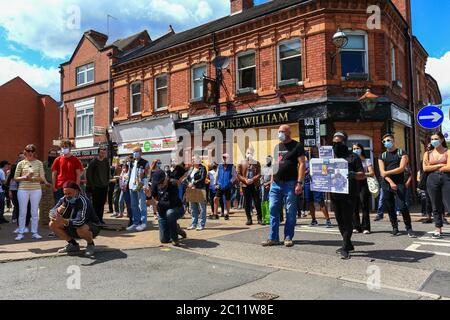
430, 117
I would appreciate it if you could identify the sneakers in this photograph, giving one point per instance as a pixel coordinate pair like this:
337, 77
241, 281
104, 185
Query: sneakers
132, 227
314, 223
249, 223
141, 227
304, 214
260, 222
19, 237
176, 243
378, 218
200, 228
366, 232
345, 255
411, 234
70, 248
192, 227
120, 215
270, 243
181, 232
436, 235
36, 236
52, 235
355, 231
427, 221
90, 251
328, 224
227, 217
395, 232
288, 243
114, 215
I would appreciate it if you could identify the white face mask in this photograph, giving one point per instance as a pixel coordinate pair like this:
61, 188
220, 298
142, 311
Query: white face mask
65, 151
282, 136
249, 156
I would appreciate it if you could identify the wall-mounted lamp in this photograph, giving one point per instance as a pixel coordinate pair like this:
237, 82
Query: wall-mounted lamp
340, 40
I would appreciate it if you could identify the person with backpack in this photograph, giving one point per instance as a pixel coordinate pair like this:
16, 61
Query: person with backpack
436, 164
392, 164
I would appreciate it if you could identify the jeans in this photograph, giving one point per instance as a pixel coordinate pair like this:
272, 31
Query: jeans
168, 224
196, 210
125, 200
279, 192
438, 187
138, 207
380, 210
392, 199
34, 197
2, 204
98, 201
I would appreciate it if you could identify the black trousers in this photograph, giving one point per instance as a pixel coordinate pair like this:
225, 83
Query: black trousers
425, 202
392, 199
212, 195
111, 187
344, 208
252, 195
438, 187
98, 201
362, 204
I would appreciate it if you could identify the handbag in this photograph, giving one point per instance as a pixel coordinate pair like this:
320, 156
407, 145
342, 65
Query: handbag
195, 195
265, 212
423, 181
374, 186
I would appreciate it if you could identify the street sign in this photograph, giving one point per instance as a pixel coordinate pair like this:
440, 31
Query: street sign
430, 117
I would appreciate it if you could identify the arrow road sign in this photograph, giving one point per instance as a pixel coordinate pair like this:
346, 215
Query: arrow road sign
430, 117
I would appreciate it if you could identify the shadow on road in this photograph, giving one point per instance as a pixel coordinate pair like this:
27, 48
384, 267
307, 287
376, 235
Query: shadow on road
393, 255
195, 243
331, 243
105, 256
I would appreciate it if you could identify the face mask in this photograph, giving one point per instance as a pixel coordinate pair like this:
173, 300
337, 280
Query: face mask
340, 150
158, 165
51, 159
269, 161
357, 152
388, 144
282, 136
65, 151
249, 156
72, 200
435, 143
136, 155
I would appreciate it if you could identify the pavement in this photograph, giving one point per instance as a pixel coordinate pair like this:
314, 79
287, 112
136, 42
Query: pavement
226, 261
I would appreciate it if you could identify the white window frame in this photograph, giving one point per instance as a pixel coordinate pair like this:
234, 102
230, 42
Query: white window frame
296, 56
366, 44
156, 91
85, 74
198, 66
131, 98
83, 106
238, 56
393, 64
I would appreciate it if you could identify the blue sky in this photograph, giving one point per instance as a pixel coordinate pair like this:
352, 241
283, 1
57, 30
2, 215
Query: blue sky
36, 36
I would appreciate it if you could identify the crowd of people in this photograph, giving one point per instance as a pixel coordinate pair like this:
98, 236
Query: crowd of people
278, 191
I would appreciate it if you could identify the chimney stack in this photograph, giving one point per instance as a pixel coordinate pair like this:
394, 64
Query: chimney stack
238, 6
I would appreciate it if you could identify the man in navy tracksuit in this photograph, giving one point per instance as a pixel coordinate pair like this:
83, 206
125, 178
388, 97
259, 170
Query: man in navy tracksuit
226, 176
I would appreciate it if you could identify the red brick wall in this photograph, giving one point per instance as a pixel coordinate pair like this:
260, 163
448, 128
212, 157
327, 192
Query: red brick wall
22, 123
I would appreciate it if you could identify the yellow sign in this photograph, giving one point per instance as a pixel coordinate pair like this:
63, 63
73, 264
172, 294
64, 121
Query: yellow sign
248, 121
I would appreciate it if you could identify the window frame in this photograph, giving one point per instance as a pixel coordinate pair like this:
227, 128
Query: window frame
366, 51
238, 56
77, 72
80, 124
131, 98
193, 80
300, 80
393, 64
156, 91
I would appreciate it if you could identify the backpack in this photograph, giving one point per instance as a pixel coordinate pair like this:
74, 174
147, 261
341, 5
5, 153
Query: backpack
399, 154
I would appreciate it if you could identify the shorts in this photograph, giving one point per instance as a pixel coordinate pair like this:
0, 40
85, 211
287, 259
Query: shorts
227, 193
72, 231
312, 196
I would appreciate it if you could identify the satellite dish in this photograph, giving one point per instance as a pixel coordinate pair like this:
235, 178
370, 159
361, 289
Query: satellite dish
221, 62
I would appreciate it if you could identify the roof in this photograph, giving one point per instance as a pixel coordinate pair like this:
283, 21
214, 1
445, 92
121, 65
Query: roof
211, 27
19, 79
122, 44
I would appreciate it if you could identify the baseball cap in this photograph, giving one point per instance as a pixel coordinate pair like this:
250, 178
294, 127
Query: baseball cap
158, 176
340, 134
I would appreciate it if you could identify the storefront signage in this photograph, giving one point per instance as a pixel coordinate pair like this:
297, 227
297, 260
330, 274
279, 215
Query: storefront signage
401, 116
88, 153
154, 145
248, 121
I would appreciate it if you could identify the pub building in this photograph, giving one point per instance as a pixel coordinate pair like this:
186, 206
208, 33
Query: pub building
325, 63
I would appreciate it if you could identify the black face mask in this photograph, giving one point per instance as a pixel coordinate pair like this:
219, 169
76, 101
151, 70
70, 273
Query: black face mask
51, 159
340, 150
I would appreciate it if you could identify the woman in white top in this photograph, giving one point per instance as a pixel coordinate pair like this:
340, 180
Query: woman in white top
29, 174
364, 194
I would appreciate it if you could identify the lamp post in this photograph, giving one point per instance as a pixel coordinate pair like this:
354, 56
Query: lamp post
340, 40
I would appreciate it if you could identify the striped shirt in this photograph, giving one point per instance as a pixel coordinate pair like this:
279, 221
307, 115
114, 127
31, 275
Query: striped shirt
23, 168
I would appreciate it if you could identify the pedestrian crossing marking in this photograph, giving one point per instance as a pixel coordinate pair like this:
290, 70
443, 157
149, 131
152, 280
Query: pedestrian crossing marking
427, 241
317, 230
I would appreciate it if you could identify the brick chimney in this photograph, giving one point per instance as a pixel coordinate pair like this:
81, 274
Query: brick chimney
404, 6
238, 6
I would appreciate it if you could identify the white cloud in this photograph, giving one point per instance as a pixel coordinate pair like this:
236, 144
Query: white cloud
44, 81
439, 68
47, 25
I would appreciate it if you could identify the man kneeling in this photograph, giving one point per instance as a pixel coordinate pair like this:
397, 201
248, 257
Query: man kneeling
72, 218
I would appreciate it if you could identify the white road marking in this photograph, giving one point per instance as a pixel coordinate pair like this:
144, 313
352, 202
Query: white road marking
310, 229
427, 241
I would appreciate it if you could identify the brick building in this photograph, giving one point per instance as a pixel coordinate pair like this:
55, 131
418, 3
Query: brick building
26, 117
283, 68
86, 90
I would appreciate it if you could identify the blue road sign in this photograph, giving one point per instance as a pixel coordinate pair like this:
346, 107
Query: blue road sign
430, 117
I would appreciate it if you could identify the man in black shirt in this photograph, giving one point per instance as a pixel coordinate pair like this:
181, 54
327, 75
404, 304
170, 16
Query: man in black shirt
287, 185
392, 165
344, 204
170, 207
